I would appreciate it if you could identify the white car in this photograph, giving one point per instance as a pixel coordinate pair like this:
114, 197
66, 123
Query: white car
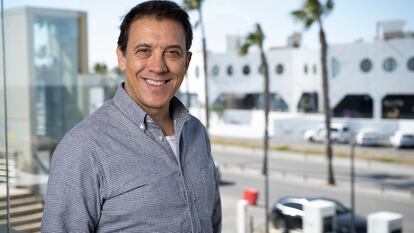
402, 139
339, 133
369, 137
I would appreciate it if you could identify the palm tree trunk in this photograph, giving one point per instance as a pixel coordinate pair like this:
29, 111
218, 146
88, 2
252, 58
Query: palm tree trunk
204, 44
265, 167
326, 107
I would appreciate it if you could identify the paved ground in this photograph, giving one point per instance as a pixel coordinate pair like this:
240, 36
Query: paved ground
384, 154
368, 199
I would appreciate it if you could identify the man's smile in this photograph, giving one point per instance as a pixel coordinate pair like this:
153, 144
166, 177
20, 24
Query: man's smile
155, 82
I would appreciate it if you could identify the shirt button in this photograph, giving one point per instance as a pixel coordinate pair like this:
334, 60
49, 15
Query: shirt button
161, 138
141, 126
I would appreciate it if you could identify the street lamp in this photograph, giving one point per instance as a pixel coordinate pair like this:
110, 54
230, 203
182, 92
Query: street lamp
353, 144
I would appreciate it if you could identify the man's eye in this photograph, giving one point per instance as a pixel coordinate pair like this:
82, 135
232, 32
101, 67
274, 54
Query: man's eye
173, 53
143, 51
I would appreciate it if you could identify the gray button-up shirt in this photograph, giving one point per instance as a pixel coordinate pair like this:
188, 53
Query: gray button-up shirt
115, 172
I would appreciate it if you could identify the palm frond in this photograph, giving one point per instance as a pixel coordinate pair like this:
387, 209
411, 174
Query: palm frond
299, 15
253, 38
192, 4
313, 9
244, 49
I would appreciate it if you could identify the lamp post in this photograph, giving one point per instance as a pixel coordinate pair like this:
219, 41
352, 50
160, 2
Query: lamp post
353, 187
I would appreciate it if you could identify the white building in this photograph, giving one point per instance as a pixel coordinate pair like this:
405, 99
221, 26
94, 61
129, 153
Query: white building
371, 84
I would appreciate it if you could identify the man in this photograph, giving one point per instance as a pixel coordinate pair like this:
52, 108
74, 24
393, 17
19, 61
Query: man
141, 162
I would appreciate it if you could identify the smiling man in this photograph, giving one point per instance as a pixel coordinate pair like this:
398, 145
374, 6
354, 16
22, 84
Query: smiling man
141, 162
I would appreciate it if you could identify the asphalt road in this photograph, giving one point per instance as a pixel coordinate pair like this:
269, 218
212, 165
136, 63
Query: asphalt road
369, 175
236, 180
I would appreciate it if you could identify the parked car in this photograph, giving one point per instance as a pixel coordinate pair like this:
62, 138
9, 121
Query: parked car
339, 133
287, 214
402, 139
369, 137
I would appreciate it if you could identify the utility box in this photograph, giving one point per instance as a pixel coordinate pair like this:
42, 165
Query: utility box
385, 222
319, 217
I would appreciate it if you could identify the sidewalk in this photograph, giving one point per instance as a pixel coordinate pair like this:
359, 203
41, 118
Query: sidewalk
386, 155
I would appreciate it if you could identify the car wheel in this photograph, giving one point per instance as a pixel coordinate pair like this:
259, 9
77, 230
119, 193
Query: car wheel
281, 224
311, 139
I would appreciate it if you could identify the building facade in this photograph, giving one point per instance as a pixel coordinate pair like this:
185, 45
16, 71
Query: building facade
371, 83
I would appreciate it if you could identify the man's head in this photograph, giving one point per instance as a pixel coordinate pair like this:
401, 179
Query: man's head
159, 10
153, 53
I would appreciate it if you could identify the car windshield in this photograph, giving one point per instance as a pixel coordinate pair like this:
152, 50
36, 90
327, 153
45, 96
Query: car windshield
340, 208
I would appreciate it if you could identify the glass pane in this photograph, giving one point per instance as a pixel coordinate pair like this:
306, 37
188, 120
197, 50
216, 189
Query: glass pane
3, 160
49, 90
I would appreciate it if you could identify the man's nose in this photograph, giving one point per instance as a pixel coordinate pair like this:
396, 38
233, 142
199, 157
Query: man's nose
157, 64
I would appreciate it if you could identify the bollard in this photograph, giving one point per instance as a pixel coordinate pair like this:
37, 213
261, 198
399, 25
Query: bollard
385, 222
241, 216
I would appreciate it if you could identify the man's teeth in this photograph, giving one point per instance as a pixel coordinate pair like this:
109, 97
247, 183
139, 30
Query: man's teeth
155, 83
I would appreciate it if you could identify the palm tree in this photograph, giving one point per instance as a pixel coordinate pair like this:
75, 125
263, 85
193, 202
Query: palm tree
100, 68
312, 12
256, 38
196, 5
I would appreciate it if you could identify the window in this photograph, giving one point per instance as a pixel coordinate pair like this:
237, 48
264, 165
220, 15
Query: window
215, 70
354, 106
230, 70
314, 69
366, 65
308, 102
279, 69
305, 69
389, 64
251, 101
335, 67
398, 106
294, 205
410, 64
246, 70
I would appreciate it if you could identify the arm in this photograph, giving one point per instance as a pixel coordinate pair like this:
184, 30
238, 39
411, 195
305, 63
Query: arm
216, 216
72, 202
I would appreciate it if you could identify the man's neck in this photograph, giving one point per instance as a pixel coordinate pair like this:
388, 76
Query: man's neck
163, 118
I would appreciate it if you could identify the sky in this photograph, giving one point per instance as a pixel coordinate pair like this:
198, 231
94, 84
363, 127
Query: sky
350, 21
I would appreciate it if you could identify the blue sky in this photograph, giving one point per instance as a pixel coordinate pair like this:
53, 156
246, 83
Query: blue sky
351, 20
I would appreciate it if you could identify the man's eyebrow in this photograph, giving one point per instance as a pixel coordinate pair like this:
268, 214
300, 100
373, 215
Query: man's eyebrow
175, 47
141, 45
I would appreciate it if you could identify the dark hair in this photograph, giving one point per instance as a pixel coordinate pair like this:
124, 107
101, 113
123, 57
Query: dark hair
159, 10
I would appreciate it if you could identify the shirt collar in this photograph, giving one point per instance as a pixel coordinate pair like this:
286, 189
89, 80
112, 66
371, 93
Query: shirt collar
136, 114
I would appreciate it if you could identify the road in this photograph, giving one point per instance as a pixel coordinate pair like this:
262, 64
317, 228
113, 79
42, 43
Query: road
375, 176
235, 181
379, 187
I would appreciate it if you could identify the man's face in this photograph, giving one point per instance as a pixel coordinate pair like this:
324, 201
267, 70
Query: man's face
155, 62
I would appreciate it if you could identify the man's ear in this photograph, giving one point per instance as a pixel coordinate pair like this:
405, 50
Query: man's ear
188, 59
121, 59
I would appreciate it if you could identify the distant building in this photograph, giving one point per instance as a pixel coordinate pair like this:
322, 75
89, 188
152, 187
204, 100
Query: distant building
49, 89
370, 83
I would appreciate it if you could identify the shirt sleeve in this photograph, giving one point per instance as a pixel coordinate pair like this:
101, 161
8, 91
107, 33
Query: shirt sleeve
72, 201
216, 217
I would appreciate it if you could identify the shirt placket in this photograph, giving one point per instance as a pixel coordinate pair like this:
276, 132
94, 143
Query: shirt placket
156, 134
